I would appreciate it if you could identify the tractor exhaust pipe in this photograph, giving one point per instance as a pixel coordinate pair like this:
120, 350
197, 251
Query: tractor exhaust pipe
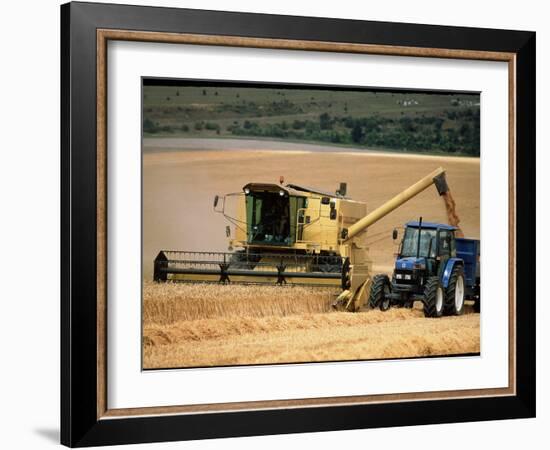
419, 236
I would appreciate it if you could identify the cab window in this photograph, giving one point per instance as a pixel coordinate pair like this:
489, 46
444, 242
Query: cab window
445, 243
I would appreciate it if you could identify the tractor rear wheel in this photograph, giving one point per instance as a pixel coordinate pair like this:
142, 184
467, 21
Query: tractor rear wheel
378, 297
454, 294
434, 298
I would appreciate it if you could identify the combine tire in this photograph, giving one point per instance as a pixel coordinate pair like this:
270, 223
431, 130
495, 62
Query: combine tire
454, 294
434, 298
378, 293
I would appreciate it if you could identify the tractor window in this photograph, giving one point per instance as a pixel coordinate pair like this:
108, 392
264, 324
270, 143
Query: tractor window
453, 244
444, 243
427, 243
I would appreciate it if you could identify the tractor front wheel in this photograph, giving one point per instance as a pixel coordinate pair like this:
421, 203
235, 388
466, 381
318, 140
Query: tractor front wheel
433, 298
454, 294
379, 293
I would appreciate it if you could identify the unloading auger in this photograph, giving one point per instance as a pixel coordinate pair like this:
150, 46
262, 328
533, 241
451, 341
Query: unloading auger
292, 234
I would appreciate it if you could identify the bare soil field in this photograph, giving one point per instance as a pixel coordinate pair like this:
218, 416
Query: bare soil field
178, 190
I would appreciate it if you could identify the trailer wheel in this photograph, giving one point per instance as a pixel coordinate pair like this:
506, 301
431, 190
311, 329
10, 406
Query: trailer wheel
378, 293
454, 294
434, 298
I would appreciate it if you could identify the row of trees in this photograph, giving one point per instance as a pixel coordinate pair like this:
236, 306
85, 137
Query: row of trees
454, 131
419, 133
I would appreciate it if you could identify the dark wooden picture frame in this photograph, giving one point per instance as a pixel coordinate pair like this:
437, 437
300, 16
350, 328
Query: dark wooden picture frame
85, 417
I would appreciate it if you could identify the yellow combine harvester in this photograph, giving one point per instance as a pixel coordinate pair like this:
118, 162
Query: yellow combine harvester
291, 234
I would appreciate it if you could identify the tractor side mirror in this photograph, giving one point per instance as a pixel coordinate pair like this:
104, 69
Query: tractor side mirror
394, 234
216, 200
227, 231
430, 247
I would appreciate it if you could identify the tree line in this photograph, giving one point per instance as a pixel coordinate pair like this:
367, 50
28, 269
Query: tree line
454, 131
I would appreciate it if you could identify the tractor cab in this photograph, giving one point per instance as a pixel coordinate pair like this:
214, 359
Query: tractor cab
426, 246
423, 260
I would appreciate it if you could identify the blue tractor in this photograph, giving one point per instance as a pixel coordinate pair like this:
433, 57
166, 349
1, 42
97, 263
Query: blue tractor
433, 266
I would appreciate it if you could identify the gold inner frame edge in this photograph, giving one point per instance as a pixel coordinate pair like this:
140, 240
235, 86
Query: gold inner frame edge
103, 36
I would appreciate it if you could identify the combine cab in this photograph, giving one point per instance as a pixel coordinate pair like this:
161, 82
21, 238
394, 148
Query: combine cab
292, 234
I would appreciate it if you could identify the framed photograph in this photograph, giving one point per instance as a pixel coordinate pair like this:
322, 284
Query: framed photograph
277, 224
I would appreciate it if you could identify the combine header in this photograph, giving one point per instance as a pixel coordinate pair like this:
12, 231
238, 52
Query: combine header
292, 234
248, 267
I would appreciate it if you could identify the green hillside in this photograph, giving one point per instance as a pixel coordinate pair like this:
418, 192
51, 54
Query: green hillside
418, 122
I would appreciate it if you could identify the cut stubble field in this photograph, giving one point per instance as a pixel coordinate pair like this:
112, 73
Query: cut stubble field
202, 325
207, 325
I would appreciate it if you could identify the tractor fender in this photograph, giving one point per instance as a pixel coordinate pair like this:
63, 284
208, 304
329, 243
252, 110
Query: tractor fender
451, 262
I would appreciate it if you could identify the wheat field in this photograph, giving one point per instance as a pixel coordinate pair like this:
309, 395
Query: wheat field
197, 325
168, 303
207, 325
